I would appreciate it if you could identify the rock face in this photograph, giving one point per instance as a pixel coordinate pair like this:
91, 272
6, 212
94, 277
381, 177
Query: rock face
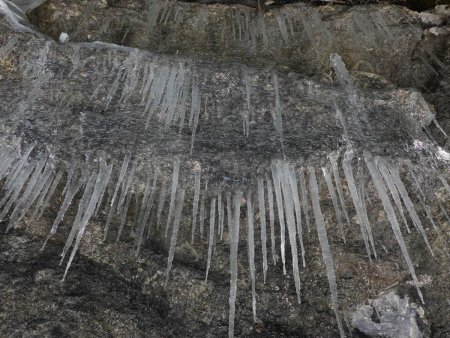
304, 149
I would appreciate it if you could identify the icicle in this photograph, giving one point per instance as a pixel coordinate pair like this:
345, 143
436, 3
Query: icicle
41, 204
279, 199
251, 250
13, 192
221, 210
441, 206
123, 214
125, 190
348, 172
297, 208
282, 26
150, 202
22, 201
283, 172
408, 204
176, 170
392, 188
271, 220
324, 245
330, 186
334, 166
18, 168
262, 219
176, 225
102, 193
146, 207
195, 112
304, 196
211, 235
6, 162
162, 199
202, 209
197, 174
229, 213
382, 193
82, 207
119, 183
100, 182
22, 207
73, 187
234, 247
444, 182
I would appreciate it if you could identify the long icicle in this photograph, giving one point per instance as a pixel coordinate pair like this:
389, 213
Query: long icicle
279, 198
324, 245
390, 212
297, 208
409, 205
334, 168
348, 172
197, 174
212, 220
392, 188
271, 220
262, 219
234, 247
251, 250
328, 180
100, 182
304, 196
176, 226
176, 170
289, 209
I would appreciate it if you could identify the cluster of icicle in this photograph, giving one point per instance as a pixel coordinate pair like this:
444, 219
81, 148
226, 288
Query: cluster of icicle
30, 179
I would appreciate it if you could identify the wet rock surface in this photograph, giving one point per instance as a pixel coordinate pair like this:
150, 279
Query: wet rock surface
256, 99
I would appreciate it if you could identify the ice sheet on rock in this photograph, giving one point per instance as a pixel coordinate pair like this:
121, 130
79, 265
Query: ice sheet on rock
324, 245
